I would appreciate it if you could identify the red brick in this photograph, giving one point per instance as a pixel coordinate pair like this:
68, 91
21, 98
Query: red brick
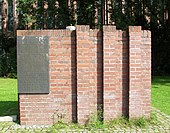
110, 68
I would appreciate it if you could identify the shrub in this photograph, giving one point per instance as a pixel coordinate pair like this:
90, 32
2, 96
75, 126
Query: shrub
8, 61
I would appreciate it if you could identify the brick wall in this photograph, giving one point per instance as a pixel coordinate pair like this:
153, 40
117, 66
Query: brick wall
60, 103
91, 70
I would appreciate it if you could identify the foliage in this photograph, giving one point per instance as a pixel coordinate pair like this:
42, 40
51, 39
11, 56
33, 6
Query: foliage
146, 13
140, 122
43, 14
8, 64
86, 12
95, 124
52, 14
95, 120
46, 14
25, 18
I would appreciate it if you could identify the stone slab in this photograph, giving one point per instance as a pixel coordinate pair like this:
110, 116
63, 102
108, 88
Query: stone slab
33, 64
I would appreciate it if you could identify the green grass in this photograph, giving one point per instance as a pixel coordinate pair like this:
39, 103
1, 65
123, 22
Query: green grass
8, 97
161, 93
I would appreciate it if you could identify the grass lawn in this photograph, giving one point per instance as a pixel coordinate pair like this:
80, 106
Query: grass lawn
161, 93
8, 97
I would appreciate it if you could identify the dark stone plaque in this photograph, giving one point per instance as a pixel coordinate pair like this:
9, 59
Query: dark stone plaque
33, 64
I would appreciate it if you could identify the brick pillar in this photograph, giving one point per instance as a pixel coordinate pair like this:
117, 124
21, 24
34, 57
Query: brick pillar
146, 72
112, 78
86, 75
63, 74
139, 72
135, 71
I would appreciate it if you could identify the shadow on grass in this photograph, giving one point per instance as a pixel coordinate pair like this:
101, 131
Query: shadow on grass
161, 80
8, 108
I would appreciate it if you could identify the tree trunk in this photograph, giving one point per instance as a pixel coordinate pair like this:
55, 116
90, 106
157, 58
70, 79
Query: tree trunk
168, 7
14, 16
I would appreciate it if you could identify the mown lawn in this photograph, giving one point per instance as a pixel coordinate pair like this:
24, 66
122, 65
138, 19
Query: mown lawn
8, 97
161, 93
